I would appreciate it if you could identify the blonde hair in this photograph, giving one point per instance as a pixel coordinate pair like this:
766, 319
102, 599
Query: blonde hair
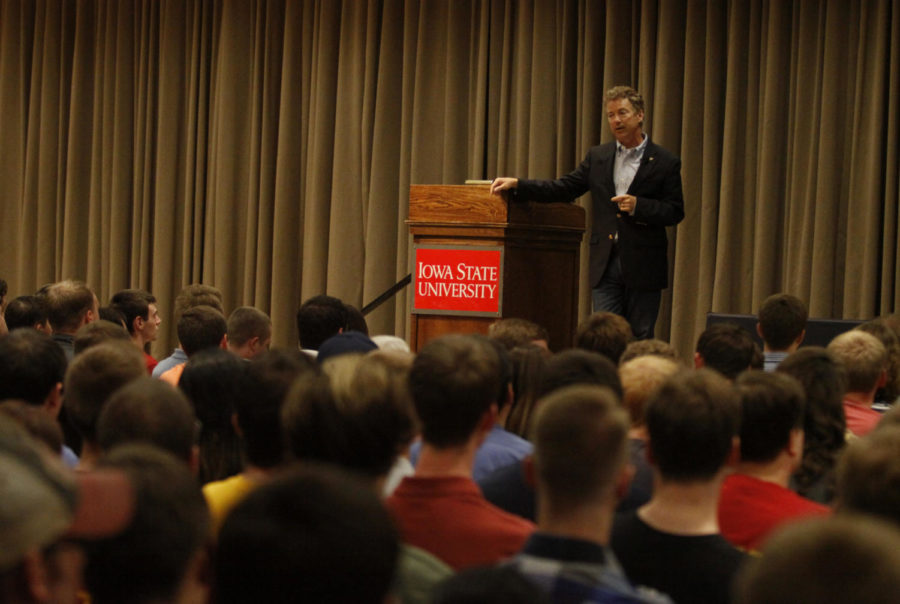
641, 377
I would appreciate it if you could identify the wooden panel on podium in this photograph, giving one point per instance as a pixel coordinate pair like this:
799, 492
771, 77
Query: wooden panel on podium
541, 255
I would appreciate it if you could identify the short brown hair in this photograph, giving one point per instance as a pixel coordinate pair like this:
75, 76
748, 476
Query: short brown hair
654, 347
580, 443
782, 318
626, 92
515, 332
692, 421
67, 303
868, 475
606, 333
197, 294
94, 375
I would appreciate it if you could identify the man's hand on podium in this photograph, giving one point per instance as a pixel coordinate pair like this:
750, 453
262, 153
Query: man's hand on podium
504, 183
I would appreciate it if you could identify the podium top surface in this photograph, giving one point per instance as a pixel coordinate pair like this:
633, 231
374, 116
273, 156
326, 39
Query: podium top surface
474, 204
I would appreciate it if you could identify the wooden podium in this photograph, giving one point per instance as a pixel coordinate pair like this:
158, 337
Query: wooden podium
540, 245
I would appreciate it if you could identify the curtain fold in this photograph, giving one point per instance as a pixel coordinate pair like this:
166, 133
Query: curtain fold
267, 147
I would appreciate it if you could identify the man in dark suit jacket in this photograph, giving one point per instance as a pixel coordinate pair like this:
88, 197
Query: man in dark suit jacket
635, 186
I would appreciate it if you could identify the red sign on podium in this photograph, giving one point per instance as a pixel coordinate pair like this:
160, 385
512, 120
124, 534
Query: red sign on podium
452, 280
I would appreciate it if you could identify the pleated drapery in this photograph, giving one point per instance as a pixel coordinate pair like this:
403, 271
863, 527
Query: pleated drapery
267, 146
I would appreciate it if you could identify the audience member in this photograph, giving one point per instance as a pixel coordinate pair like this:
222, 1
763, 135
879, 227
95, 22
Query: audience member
269, 377
865, 360
142, 319
755, 500
641, 377
32, 369
782, 327
606, 333
581, 467
151, 412
514, 332
654, 347
511, 488
454, 382
314, 535
27, 311
840, 559
39, 425
47, 516
390, 343
97, 332
726, 347
672, 543
249, 332
500, 448
160, 556
824, 382
196, 294
358, 415
869, 475
528, 364
346, 342
70, 304
92, 377
356, 321
319, 318
113, 315
199, 328
886, 395
215, 380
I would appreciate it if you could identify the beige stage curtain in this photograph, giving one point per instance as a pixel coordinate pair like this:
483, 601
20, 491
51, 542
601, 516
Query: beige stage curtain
267, 147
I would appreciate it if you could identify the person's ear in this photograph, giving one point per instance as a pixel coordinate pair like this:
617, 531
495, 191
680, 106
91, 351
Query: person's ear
529, 471
699, 362
623, 481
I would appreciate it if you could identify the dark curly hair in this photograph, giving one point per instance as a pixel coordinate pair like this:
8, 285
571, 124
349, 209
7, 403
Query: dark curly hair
824, 381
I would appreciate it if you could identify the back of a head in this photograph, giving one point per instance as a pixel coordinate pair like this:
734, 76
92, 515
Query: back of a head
246, 323
347, 342
882, 329
313, 535
40, 425
96, 332
782, 318
67, 302
653, 347
25, 311
197, 294
454, 380
93, 376
357, 414
824, 383
528, 365
728, 348
580, 445
132, 303
863, 356
149, 560
606, 333
515, 332
269, 378
356, 321
772, 406
868, 475
31, 365
692, 421
318, 319
215, 380
838, 559
641, 377
576, 366
148, 411
201, 327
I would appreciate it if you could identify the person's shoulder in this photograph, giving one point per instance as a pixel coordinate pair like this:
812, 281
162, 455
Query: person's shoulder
659, 152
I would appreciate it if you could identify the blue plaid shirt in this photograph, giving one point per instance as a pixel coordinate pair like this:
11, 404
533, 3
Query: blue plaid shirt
574, 571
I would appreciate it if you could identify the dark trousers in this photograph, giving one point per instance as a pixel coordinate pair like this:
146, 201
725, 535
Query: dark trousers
639, 307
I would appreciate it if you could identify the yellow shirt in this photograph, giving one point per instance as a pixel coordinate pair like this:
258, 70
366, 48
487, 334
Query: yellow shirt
222, 495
